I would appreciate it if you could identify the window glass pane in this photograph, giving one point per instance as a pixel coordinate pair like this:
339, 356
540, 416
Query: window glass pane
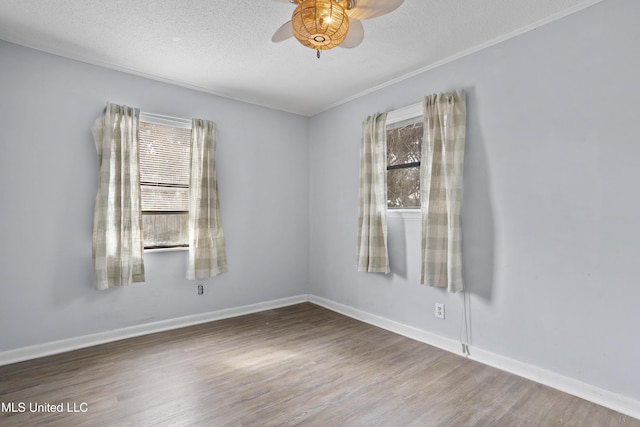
403, 143
165, 163
165, 230
403, 188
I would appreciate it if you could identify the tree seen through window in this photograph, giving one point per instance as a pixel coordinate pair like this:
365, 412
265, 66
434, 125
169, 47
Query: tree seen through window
403, 165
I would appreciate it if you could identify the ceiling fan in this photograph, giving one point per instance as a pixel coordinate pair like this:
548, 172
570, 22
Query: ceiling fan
325, 24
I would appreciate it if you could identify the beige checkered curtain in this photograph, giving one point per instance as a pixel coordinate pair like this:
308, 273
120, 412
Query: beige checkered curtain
372, 212
441, 165
118, 254
207, 253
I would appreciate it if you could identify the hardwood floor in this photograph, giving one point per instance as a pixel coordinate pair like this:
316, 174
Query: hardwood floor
298, 365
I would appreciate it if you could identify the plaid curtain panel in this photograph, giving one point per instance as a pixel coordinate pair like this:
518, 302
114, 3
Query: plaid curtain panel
207, 253
118, 255
441, 167
372, 210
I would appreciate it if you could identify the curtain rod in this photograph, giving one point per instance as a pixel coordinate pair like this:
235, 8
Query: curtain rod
160, 119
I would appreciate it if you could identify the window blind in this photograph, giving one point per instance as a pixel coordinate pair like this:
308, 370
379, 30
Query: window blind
165, 161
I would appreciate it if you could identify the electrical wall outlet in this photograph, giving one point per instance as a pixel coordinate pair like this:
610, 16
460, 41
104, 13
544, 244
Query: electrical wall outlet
200, 289
439, 311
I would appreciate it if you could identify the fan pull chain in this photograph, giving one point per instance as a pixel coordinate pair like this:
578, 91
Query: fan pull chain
318, 53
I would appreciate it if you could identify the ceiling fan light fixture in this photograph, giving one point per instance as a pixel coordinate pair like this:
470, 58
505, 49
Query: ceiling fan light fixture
320, 24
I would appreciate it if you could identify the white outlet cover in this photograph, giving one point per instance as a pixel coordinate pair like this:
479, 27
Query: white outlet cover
439, 311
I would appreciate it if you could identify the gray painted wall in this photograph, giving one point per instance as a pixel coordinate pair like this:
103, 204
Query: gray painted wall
551, 201
49, 170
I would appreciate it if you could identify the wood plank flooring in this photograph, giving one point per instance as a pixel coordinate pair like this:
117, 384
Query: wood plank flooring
298, 365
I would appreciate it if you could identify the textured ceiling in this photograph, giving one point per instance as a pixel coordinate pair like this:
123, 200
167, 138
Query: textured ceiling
224, 47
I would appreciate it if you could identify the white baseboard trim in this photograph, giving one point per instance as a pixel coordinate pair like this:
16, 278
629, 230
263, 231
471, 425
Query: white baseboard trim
620, 403
600, 396
390, 325
61, 346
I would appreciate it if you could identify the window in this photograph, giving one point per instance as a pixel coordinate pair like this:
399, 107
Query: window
404, 141
165, 162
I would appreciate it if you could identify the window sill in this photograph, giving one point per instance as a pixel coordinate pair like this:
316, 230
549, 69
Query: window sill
403, 213
182, 248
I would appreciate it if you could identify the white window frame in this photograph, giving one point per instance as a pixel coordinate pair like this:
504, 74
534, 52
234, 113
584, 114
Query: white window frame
401, 114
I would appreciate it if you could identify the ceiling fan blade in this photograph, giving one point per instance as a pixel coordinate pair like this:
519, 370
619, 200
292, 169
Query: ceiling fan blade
355, 34
283, 33
367, 9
